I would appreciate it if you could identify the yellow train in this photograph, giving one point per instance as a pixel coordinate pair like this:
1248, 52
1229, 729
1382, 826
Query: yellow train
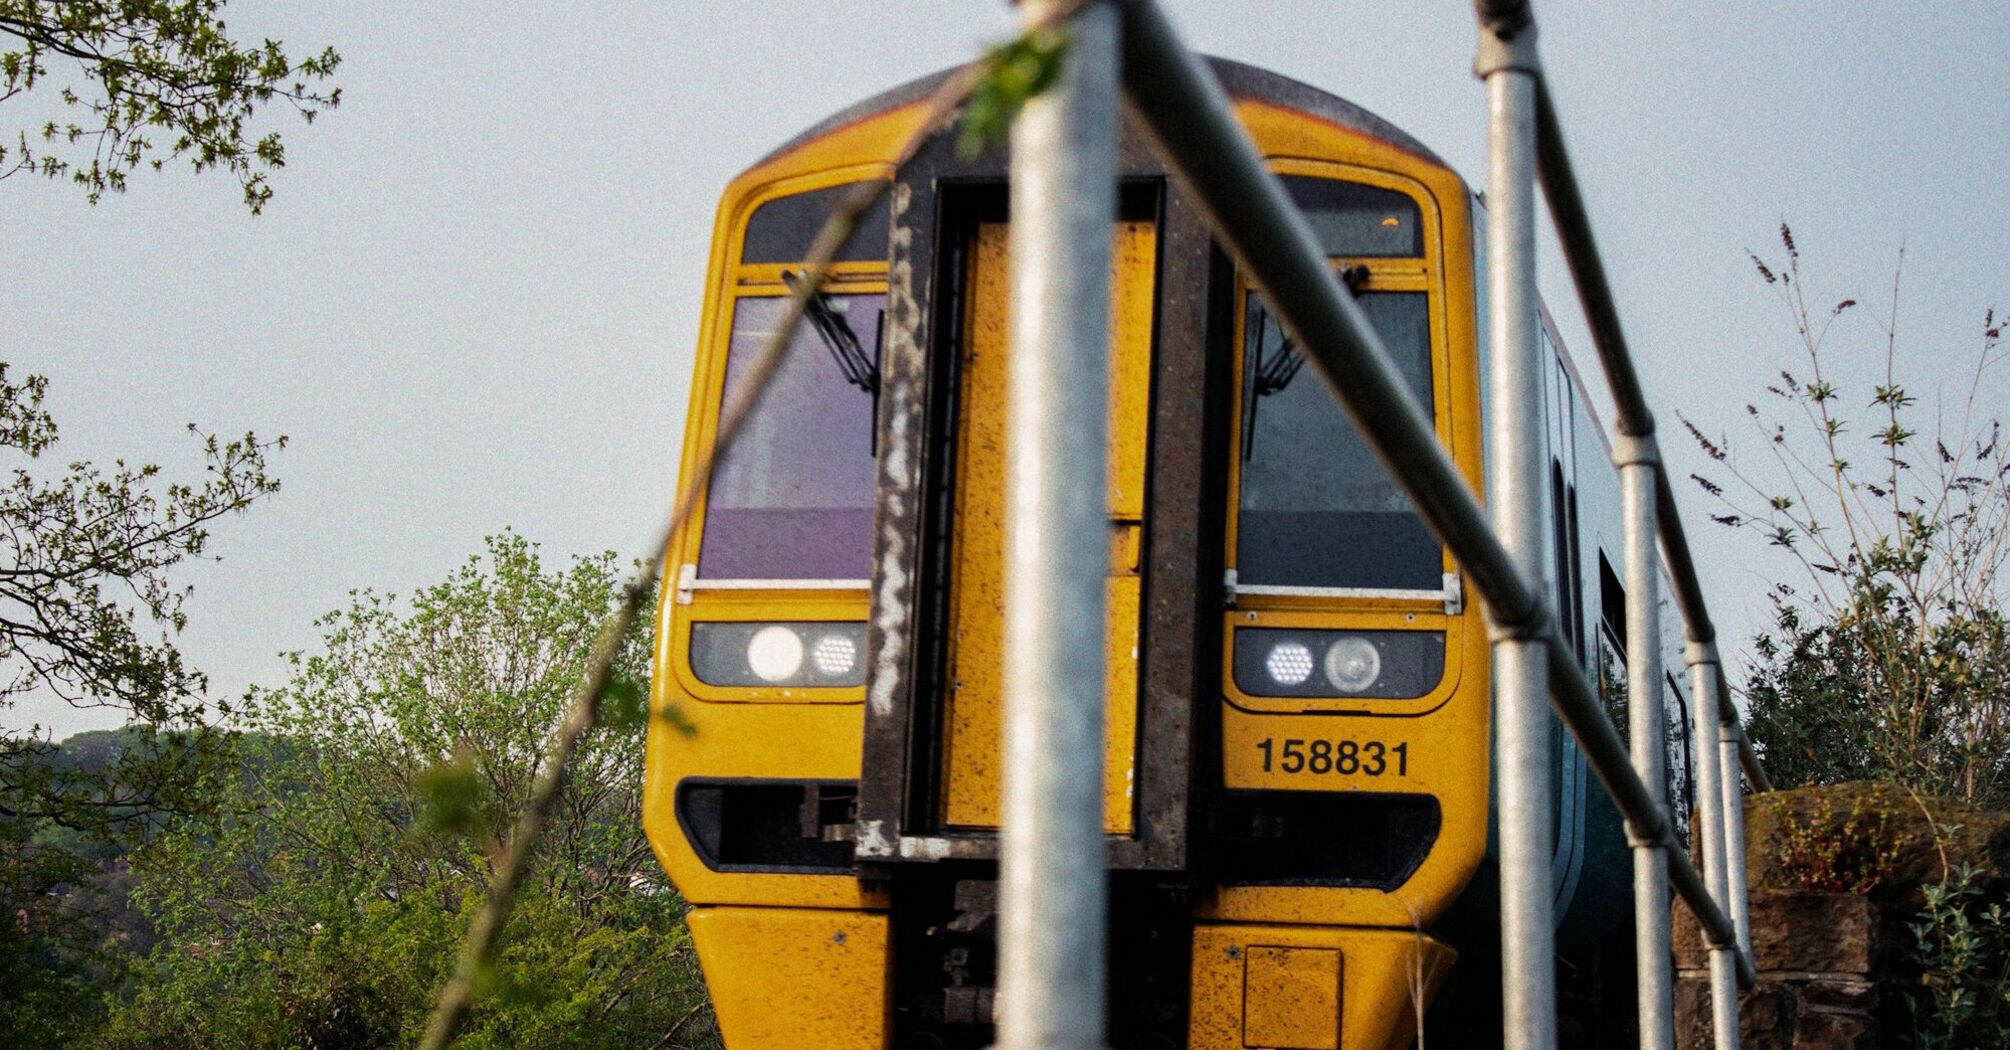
1297, 786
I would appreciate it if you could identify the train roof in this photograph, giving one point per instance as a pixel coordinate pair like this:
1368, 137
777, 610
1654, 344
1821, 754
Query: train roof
1239, 79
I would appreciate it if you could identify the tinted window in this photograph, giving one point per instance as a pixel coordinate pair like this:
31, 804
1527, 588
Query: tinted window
781, 230
1317, 507
792, 499
1349, 219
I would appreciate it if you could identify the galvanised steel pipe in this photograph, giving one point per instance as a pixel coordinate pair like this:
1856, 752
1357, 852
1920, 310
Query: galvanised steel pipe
1654, 962
1577, 703
1587, 270
1523, 762
1197, 134
1189, 117
1737, 893
1053, 887
1703, 674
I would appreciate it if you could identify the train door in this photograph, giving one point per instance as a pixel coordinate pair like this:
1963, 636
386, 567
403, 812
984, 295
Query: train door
974, 690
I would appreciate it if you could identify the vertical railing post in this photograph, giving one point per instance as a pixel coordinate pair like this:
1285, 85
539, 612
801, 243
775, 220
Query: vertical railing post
1639, 461
1737, 901
1523, 765
1052, 876
1702, 660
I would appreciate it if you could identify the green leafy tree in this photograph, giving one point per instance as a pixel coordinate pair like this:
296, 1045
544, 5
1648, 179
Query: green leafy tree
1890, 656
325, 905
142, 82
90, 602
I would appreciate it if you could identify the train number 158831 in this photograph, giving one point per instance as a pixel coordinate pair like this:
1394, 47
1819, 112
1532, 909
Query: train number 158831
1343, 757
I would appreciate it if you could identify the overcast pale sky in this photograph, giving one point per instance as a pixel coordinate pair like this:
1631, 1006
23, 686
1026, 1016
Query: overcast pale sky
472, 302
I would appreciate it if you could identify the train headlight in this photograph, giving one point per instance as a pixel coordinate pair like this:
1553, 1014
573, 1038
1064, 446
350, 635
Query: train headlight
1379, 665
818, 655
835, 655
775, 653
1289, 663
1353, 664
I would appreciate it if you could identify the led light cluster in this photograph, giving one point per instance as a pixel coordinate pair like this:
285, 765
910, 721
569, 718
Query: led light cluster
780, 654
1288, 663
1311, 663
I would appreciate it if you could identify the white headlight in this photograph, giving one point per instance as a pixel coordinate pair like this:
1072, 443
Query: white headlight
834, 655
1353, 664
1289, 663
775, 653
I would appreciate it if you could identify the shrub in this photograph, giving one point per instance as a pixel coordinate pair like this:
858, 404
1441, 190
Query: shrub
1961, 942
1889, 659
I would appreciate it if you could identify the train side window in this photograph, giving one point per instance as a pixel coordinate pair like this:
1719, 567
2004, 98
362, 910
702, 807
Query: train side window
1680, 753
792, 499
1612, 653
1612, 682
781, 230
1355, 221
1569, 596
1576, 566
1612, 600
1317, 508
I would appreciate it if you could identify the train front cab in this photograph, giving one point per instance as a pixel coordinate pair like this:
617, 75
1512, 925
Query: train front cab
1297, 766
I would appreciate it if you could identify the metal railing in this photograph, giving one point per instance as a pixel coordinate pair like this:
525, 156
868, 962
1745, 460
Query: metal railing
1052, 977
1064, 190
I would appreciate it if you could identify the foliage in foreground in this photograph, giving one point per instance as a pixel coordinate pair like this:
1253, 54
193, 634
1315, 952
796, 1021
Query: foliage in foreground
1890, 660
325, 905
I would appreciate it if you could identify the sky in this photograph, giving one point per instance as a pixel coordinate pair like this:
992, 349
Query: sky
472, 302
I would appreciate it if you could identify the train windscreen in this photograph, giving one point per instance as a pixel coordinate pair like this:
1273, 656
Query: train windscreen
792, 499
1317, 509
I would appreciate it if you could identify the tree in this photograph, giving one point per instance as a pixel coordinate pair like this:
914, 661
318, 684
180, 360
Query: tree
324, 906
1890, 658
86, 558
89, 604
151, 76
71, 932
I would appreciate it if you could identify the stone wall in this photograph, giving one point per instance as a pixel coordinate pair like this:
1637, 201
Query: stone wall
1831, 965
1818, 957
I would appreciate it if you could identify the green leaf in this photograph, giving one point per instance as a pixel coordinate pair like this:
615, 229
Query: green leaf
1014, 74
451, 796
624, 706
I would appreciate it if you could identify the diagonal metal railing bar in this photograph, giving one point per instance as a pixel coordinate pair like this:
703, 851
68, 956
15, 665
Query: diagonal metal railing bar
1576, 701
1189, 117
1720, 753
1633, 418
1723, 828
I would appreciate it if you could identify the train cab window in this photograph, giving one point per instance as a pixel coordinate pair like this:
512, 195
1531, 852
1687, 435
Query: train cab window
781, 230
1356, 221
792, 499
1317, 509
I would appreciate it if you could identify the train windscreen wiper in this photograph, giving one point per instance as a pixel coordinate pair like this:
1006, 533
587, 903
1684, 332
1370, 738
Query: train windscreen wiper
831, 327
1275, 371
